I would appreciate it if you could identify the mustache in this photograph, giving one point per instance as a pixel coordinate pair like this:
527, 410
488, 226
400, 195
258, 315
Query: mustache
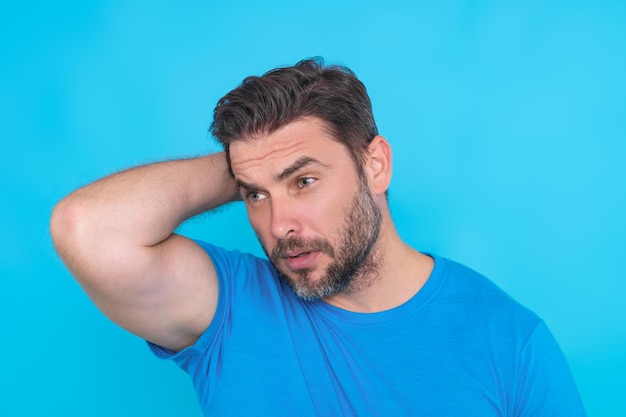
299, 244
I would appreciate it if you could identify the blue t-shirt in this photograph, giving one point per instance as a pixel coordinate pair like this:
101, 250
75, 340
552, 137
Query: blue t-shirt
459, 347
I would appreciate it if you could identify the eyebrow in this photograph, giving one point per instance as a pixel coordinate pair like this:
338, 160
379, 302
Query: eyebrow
300, 163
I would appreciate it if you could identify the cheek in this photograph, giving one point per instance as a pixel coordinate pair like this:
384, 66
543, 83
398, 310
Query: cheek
328, 214
259, 223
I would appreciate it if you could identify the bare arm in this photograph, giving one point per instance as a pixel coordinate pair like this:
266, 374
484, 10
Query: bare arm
115, 236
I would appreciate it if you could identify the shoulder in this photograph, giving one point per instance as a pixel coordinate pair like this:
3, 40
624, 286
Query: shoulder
244, 276
233, 262
482, 299
243, 280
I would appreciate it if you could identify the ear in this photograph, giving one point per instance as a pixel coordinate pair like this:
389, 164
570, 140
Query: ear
379, 164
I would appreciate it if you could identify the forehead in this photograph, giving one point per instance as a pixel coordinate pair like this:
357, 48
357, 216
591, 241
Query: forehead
303, 137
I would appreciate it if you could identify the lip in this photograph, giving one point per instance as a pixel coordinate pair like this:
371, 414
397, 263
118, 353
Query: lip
300, 260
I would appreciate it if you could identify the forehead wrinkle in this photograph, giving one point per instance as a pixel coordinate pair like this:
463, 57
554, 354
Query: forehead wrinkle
257, 157
288, 136
300, 163
255, 160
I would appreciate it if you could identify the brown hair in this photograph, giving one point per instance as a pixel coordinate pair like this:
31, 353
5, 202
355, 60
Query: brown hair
261, 105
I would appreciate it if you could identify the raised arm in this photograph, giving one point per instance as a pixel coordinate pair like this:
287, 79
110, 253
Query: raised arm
116, 237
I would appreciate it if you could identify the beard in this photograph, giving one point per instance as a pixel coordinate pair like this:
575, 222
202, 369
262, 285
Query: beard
353, 263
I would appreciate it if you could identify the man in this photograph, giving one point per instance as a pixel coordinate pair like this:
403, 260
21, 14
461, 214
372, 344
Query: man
344, 318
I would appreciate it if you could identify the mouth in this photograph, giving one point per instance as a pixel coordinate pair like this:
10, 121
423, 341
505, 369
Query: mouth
296, 255
300, 260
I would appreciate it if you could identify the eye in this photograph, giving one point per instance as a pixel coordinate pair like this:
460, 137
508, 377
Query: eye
305, 181
254, 196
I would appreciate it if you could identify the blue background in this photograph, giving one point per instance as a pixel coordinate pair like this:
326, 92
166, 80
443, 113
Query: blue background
507, 121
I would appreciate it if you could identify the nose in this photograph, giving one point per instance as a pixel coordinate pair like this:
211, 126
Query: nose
285, 219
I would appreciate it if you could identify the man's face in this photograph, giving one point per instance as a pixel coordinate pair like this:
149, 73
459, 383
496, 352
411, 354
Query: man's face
311, 210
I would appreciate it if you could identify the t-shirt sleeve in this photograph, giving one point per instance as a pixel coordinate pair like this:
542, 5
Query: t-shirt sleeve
545, 383
238, 276
234, 271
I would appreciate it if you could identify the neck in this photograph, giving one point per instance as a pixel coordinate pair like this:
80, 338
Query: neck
391, 275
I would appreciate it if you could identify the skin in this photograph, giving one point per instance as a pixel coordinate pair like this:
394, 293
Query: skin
117, 237
288, 197
354, 258
297, 253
